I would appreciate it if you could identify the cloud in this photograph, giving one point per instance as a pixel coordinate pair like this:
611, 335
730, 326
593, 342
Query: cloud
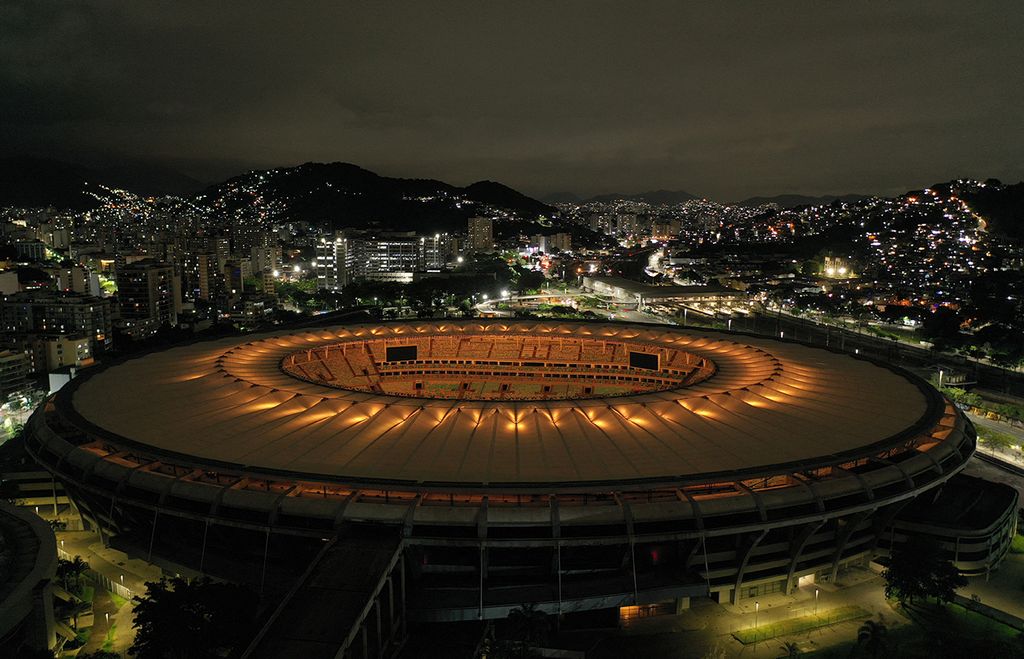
723, 99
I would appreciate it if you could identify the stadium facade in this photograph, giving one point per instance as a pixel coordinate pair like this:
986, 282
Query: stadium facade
574, 465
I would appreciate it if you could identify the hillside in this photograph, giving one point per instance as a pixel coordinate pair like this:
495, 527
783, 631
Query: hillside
794, 200
344, 195
40, 183
1002, 207
668, 197
333, 194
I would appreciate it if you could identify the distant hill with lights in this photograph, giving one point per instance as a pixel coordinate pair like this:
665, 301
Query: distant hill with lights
345, 195
796, 200
334, 194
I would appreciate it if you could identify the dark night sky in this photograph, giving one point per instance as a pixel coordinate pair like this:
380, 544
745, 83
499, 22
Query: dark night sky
724, 99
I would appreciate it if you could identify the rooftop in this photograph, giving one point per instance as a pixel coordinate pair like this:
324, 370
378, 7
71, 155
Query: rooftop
767, 403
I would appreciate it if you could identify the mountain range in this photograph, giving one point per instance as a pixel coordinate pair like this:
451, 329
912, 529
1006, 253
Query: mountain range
652, 197
335, 194
671, 197
344, 195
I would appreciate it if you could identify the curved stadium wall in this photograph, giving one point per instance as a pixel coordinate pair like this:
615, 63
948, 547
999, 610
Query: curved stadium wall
575, 465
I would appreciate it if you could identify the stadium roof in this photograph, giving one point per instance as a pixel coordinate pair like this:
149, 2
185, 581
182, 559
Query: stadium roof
768, 402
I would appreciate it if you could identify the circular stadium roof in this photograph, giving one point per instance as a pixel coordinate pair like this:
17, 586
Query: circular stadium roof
477, 403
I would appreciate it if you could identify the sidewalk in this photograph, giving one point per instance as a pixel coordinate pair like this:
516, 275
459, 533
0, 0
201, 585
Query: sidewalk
112, 628
709, 626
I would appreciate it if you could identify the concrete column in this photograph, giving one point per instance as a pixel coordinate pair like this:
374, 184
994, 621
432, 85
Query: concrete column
392, 619
152, 533
483, 571
266, 550
745, 554
380, 636
843, 538
401, 590
202, 556
797, 549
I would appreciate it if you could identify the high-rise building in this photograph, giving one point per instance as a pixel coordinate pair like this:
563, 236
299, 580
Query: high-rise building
481, 234
53, 312
14, 369
561, 242
31, 250
266, 255
148, 295
387, 256
72, 278
330, 253
210, 276
439, 250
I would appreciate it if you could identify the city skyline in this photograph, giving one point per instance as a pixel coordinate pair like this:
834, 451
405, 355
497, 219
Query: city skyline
724, 103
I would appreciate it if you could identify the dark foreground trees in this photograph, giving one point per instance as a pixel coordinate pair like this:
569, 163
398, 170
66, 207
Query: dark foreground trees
919, 570
179, 619
871, 637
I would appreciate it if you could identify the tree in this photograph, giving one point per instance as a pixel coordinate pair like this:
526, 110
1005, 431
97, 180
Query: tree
530, 280
179, 619
70, 572
529, 624
99, 654
871, 636
791, 649
942, 325
77, 608
918, 569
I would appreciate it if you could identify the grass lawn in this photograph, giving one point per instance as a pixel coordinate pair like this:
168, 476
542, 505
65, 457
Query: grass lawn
108, 640
799, 624
87, 594
947, 630
117, 600
1017, 544
82, 636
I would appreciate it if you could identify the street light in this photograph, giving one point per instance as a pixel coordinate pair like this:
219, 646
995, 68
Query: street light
941, 373
816, 590
757, 607
122, 579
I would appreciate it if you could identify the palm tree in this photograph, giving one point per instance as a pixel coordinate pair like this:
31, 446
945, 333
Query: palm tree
78, 608
791, 649
871, 635
77, 566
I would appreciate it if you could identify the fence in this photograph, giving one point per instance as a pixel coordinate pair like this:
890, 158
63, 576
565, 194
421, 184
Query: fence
798, 625
101, 580
991, 612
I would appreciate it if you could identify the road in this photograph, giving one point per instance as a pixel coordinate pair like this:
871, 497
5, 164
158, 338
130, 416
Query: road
887, 350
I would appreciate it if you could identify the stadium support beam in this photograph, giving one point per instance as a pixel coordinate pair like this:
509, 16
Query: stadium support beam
843, 536
797, 546
746, 552
762, 513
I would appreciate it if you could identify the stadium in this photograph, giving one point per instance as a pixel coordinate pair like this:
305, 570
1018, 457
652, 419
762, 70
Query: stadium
575, 465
